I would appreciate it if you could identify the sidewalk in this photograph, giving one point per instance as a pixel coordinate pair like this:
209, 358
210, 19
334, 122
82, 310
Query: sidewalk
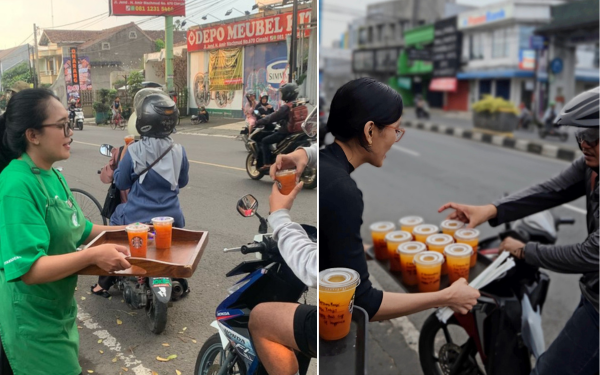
459, 124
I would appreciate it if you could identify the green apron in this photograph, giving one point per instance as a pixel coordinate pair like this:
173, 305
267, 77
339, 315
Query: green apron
37, 322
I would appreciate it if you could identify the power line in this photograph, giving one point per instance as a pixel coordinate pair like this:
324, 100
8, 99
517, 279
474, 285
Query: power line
73, 23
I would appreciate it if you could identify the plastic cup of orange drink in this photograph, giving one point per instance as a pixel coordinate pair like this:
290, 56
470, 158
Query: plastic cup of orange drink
429, 270
438, 242
129, 139
138, 239
393, 240
470, 237
286, 179
407, 252
408, 223
337, 287
378, 231
458, 257
163, 228
421, 232
451, 226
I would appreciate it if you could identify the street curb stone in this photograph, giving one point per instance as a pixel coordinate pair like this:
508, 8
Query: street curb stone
542, 149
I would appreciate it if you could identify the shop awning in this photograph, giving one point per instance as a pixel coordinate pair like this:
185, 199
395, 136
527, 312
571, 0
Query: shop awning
495, 74
443, 84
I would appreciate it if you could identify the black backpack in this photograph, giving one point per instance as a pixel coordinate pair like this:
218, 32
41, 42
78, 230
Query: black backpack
113, 195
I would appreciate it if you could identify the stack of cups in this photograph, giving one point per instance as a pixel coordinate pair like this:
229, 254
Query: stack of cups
438, 242
458, 256
393, 240
407, 251
378, 231
421, 232
429, 270
469, 237
337, 287
451, 226
408, 223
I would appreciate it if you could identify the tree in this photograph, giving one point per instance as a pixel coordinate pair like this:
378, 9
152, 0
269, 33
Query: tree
177, 26
19, 72
159, 45
179, 71
134, 81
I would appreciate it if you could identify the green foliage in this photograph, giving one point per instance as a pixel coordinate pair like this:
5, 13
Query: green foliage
119, 83
493, 105
103, 103
158, 45
134, 81
20, 72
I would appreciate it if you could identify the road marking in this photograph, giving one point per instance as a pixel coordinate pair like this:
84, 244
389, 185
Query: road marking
410, 152
84, 143
576, 209
112, 344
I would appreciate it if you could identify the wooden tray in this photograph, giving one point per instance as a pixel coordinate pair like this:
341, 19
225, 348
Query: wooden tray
180, 260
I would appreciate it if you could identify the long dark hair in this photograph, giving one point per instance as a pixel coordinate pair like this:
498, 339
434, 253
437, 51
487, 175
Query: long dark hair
358, 102
26, 110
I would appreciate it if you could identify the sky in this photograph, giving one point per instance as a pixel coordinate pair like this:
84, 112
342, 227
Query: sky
19, 16
335, 19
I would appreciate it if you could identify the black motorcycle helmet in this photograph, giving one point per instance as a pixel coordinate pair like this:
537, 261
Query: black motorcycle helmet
289, 92
264, 97
156, 113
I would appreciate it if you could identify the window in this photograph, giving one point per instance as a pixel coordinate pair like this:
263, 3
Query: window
105, 46
370, 38
500, 43
476, 47
362, 36
392, 34
380, 36
132, 35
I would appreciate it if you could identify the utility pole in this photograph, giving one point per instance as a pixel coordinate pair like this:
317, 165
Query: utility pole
415, 15
169, 52
52, 11
35, 58
293, 43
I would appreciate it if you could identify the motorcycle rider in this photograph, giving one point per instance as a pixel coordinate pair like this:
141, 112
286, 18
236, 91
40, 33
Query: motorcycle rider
72, 107
549, 116
249, 111
421, 107
116, 108
280, 328
264, 108
575, 350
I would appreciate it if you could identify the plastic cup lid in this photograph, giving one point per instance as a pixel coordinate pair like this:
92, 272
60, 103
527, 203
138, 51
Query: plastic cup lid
382, 226
398, 236
467, 234
452, 224
338, 279
137, 227
458, 250
426, 229
411, 221
285, 172
428, 258
439, 239
163, 220
411, 247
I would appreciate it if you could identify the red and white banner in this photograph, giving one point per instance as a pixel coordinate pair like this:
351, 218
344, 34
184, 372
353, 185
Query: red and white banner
147, 7
443, 84
253, 31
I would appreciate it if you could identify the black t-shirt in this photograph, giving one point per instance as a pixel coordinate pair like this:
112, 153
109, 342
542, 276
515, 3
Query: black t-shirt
340, 218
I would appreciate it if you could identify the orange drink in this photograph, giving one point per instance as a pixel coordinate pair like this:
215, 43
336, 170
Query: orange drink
437, 242
408, 223
336, 300
129, 139
421, 232
138, 239
286, 179
378, 232
393, 240
429, 270
469, 237
451, 226
407, 251
458, 256
163, 226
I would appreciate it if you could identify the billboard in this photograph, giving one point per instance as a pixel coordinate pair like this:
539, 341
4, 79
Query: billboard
447, 45
265, 68
79, 79
147, 7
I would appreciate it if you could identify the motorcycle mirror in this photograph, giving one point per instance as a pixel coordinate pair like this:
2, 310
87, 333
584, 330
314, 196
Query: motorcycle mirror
309, 128
247, 205
106, 150
256, 112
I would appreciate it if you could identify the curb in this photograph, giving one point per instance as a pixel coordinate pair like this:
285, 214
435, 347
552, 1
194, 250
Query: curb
542, 149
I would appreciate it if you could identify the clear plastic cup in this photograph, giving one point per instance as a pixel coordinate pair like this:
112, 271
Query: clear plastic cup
286, 178
458, 257
163, 227
429, 270
469, 237
378, 231
438, 242
421, 232
393, 240
129, 139
337, 287
138, 239
407, 252
451, 226
408, 223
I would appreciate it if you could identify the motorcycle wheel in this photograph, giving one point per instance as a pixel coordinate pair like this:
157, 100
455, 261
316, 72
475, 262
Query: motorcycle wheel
251, 169
156, 312
80, 126
309, 177
439, 361
212, 355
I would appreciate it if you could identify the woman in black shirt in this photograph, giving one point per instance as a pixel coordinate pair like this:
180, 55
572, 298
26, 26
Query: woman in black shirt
364, 118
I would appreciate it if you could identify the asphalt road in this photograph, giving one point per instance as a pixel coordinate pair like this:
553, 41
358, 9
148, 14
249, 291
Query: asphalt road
426, 170
217, 180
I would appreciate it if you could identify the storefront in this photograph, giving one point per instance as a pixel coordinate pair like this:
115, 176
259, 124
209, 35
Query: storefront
226, 61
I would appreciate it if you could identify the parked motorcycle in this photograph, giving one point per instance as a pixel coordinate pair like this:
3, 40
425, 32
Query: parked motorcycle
505, 327
268, 279
552, 132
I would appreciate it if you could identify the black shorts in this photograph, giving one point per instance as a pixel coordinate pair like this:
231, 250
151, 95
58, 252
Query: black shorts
305, 329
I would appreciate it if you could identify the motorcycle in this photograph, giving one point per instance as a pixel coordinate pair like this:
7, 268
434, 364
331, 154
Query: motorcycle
76, 118
562, 135
153, 294
505, 327
268, 279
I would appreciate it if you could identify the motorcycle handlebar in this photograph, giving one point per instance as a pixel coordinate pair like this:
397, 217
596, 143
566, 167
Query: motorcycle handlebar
253, 248
233, 249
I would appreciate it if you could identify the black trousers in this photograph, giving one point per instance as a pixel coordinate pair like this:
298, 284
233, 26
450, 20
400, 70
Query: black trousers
4, 365
267, 141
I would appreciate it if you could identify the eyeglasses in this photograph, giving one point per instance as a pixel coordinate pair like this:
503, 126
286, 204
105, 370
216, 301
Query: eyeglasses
61, 125
399, 133
590, 136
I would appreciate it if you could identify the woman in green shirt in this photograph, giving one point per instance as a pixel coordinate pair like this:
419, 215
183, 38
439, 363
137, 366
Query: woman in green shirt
40, 228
